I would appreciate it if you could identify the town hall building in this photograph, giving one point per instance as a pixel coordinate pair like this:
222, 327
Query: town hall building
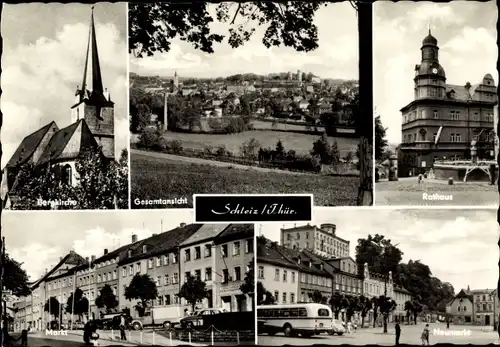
92, 126
443, 119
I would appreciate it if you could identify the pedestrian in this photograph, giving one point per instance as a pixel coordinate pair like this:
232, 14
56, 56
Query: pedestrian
398, 332
447, 323
420, 179
349, 326
425, 335
122, 328
186, 312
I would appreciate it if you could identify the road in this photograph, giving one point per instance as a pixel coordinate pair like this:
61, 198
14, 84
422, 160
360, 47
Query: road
41, 340
200, 161
409, 335
407, 191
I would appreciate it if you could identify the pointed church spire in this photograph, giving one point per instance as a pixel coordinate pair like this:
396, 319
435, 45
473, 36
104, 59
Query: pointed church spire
92, 80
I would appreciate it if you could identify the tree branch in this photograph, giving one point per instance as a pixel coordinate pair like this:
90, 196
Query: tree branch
280, 10
236, 13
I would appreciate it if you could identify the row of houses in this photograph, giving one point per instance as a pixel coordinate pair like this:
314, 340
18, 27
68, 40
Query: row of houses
314, 259
477, 306
218, 254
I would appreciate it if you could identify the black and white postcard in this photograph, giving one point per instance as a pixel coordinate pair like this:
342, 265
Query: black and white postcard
436, 103
128, 278
64, 105
379, 277
254, 98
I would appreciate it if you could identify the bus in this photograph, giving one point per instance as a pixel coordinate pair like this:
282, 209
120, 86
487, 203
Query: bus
306, 319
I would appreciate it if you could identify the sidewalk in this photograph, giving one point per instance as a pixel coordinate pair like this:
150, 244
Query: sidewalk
143, 338
134, 338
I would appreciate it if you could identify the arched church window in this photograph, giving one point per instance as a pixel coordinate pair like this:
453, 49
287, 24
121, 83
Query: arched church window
67, 174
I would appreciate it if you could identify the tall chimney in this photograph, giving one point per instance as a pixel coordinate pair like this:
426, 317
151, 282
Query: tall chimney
60, 258
87, 260
93, 258
165, 111
154, 234
105, 251
134, 238
183, 225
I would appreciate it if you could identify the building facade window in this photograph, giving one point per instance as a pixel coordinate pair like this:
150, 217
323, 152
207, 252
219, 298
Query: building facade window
208, 250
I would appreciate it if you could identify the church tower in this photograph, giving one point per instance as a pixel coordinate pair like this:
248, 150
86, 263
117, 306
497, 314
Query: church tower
430, 78
92, 101
176, 81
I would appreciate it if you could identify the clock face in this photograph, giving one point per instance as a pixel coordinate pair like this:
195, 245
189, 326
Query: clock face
434, 70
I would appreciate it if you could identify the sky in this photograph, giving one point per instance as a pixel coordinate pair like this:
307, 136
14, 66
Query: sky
459, 246
336, 57
466, 34
45, 237
42, 65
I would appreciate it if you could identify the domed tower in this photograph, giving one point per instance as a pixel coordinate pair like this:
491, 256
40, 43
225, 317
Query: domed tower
430, 78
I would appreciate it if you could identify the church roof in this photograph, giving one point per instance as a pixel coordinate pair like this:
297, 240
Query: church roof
28, 146
92, 90
77, 133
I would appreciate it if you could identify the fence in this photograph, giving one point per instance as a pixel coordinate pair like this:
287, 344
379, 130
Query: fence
300, 165
213, 335
172, 337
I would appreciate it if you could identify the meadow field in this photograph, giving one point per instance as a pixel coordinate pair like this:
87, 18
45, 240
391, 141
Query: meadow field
300, 143
160, 178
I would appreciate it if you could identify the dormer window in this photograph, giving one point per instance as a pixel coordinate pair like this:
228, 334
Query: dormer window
130, 253
298, 259
144, 248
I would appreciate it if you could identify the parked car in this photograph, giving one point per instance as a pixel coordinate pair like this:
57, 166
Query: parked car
338, 327
196, 318
168, 317
111, 321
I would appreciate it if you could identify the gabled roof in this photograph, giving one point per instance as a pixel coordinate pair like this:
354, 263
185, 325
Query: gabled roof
462, 295
161, 243
206, 232
28, 146
78, 132
305, 256
267, 252
235, 232
461, 93
71, 258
